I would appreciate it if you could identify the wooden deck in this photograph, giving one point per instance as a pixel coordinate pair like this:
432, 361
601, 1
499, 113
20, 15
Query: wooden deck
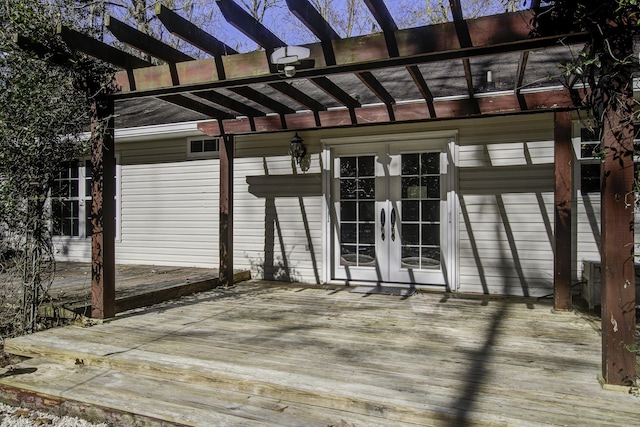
260, 354
136, 286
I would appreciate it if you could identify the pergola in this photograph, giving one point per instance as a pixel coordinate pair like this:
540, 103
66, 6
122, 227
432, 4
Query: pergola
433, 72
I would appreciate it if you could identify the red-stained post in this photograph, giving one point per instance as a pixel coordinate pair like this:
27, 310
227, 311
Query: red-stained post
563, 193
103, 165
226, 210
617, 206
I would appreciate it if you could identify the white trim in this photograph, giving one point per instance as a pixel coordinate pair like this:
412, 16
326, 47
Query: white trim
450, 147
404, 137
164, 131
203, 154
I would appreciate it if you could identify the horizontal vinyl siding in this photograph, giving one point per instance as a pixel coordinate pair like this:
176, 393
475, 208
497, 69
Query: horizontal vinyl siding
169, 206
506, 205
277, 210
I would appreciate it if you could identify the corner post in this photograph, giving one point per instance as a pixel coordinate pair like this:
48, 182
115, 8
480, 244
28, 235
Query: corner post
617, 251
563, 201
103, 165
226, 210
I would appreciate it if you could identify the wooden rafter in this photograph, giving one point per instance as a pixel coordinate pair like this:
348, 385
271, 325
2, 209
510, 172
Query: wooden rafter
380, 12
262, 99
230, 103
490, 35
100, 50
378, 89
298, 96
193, 105
464, 37
144, 43
336, 92
311, 18
504, 104
522, 65
419, 80
191, 33
248, 25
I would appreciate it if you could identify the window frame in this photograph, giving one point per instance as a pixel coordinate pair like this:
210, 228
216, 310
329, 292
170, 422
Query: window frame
84, 202
203, 154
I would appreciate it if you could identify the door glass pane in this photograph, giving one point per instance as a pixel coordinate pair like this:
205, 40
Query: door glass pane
366, 166
357, 211
410, 210
420, 227
410, 164
367, 188
347, 166
367, 211
348, 211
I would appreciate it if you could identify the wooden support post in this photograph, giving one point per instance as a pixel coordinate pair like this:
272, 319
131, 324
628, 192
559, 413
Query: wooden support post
563, 192
103, 266
617, 248
226, 210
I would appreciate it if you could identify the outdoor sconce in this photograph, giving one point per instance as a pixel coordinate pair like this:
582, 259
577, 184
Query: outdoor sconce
297, 148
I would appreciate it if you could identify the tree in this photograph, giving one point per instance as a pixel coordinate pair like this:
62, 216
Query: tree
45, 100
604, 67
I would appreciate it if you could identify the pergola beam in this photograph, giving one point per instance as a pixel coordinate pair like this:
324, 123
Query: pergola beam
491, 35
144, 42
193, 105
381, 14
419, 80
522, 65
503, 104
230, 103
100, 50
248, 25
311, 18
464, 37
298, 96
378, 90
191, 33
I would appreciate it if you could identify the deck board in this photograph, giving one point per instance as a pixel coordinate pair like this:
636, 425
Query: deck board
295, 355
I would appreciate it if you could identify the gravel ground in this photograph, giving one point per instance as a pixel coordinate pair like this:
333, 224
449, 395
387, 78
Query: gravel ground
20, 417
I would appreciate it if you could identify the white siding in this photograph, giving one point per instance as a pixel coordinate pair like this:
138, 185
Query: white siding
506, 205
277, 210
169, 205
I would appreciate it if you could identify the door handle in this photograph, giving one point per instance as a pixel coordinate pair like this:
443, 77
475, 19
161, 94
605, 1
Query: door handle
393, 224
383, 219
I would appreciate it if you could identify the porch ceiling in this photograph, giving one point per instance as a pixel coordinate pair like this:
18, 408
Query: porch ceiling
431, 72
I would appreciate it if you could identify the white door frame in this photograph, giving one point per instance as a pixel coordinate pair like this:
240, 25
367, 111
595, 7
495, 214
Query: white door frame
450, 147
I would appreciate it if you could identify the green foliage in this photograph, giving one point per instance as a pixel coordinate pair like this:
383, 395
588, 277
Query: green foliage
46, 93
607, 60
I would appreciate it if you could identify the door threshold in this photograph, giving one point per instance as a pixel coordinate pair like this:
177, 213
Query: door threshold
401, 291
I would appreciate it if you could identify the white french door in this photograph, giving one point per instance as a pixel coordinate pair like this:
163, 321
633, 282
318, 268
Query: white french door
389, 213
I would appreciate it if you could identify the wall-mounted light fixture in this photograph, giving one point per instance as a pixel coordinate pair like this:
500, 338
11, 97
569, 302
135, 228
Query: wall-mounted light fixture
297, 148
490, 84
286, 58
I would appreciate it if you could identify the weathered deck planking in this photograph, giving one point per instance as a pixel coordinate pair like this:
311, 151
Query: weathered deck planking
268, 354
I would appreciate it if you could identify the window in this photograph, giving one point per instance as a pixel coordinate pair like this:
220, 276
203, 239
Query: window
203, 148
71, 200
589, 156
590, 159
